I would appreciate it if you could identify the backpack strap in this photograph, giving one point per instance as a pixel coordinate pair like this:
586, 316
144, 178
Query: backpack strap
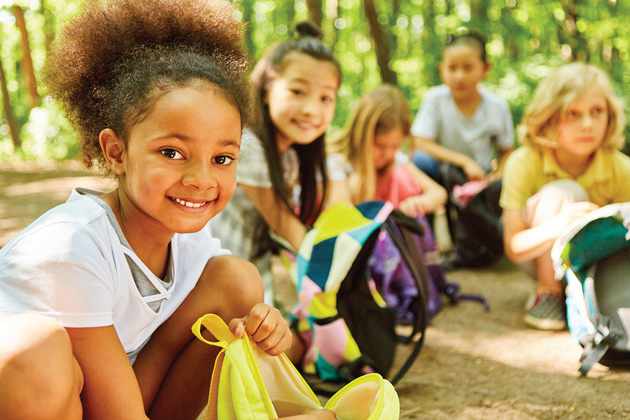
594, 352
604, 336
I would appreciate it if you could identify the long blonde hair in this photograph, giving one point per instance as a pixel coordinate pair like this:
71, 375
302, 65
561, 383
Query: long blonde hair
379, 111
555, 93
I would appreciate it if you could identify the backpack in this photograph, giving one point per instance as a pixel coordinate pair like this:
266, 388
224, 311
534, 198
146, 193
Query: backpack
594, 256
477, 229
362, 274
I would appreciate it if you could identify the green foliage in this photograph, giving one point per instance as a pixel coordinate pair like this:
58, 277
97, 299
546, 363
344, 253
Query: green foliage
526, 40
46, 134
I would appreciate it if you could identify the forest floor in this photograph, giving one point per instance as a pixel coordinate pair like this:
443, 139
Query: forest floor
474, 364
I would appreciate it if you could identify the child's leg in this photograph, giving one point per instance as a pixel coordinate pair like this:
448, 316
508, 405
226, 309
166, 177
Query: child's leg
547, 311
174, 368
548, 202
39, 376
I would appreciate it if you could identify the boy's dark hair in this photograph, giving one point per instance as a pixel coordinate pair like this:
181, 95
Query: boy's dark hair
311, 156
117, 57
470, 39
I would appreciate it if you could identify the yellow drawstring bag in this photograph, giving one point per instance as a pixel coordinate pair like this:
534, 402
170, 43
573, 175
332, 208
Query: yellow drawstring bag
248, 384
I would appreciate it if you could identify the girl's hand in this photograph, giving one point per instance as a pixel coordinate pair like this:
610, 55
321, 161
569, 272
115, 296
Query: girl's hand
415, 205
572, 212
473, 171
267, 328
421, 204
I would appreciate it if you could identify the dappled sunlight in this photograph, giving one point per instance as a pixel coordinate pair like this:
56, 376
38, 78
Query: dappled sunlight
551, 352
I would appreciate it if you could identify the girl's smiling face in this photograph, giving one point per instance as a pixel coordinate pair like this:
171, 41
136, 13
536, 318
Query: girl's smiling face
178, 168
302, 99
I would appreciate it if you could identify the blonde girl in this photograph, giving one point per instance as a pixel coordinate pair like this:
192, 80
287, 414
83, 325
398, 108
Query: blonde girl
369, 147
282, 181
568, 166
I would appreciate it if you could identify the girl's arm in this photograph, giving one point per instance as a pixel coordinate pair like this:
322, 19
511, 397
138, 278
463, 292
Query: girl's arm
277, 216
523, 244
110, 388
470, 167
338, 191
432, 198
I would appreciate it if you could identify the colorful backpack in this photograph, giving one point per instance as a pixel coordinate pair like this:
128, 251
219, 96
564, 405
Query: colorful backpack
594, 256
362, 274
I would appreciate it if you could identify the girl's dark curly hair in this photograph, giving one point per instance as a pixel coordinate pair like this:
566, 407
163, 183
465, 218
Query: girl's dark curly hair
117, 57
312, 156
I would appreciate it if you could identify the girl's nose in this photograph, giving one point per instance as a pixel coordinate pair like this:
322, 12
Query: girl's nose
199, 175
587, 121
309, 106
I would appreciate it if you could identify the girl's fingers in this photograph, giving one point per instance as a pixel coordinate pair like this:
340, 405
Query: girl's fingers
237, 327
276, 343
267, 328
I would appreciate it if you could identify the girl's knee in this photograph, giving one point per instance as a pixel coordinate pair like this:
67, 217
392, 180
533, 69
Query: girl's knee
39, 377
551, 198
234, 285
564, 189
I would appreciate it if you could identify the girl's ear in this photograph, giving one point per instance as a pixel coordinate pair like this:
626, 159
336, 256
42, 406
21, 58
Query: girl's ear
113, 148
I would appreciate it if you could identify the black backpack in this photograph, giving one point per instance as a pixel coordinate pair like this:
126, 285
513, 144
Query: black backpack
345, 302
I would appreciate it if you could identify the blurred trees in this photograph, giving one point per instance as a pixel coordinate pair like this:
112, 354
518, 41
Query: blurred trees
396, 41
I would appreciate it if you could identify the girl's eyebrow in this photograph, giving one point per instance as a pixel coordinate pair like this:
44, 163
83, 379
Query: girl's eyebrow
185, 138
308, 82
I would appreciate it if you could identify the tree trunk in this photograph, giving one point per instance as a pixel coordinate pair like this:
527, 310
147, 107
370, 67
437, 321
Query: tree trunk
381, 48
432, 48
49, 24
479, 11
579, 47
27, 62
249, 28
8, 111
315, 13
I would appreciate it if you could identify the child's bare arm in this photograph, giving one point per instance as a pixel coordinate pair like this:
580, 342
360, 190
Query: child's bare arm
444, 154
432, 198
338, 191
277, 216
523, 244
110, 389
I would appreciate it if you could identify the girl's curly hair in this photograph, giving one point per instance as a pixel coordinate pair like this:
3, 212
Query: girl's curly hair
115, 59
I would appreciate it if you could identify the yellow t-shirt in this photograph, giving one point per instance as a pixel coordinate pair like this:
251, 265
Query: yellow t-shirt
527, 169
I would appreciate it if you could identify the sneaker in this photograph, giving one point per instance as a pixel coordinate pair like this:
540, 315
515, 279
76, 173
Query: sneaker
547, 313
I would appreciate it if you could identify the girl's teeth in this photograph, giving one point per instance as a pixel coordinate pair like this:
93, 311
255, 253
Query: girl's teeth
188, 203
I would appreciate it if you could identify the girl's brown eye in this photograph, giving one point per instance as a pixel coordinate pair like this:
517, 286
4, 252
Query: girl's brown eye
223, 160
171, 153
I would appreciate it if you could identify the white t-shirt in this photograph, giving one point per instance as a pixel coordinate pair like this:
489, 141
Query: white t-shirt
478, 136
70, 266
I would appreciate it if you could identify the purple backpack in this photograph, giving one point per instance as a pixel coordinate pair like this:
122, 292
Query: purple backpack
396, 283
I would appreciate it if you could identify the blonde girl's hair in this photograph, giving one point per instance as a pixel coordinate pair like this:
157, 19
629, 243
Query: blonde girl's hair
379, 111
554, 94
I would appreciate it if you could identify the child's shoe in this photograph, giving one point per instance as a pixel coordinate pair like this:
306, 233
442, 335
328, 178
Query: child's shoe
547, 313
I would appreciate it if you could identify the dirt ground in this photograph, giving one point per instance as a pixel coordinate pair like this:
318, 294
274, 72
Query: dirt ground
474, 364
